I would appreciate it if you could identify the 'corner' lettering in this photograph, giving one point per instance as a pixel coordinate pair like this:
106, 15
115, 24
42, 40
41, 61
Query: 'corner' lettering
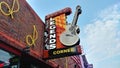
57, 52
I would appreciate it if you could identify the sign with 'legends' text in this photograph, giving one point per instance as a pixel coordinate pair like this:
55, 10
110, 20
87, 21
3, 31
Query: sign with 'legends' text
55, 26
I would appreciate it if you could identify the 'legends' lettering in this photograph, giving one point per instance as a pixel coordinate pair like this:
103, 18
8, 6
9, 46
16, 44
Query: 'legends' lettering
50, 35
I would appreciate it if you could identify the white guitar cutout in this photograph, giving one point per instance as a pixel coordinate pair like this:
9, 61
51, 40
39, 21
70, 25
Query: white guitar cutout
70, 36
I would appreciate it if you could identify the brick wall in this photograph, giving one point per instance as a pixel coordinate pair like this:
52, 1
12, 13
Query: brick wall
66, 62
14, 30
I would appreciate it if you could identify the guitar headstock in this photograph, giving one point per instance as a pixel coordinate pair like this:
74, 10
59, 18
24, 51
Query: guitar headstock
78, 9
76, 15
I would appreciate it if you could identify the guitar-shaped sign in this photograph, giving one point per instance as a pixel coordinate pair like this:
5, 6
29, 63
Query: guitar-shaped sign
70, 36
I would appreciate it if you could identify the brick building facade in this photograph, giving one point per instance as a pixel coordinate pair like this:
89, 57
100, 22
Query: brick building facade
22, 35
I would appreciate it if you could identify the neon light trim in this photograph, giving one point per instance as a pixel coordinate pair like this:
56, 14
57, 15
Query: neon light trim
10, 10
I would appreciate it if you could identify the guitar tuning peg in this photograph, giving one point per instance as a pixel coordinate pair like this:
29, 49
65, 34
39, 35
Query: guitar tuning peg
79, 9
78, 30
78, 6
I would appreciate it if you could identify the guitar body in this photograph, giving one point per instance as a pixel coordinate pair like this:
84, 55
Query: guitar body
70, 37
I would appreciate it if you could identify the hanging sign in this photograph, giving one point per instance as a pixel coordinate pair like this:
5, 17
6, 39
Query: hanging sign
55, 27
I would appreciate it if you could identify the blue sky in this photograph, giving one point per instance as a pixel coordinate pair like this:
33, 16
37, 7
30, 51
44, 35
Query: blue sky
99, 24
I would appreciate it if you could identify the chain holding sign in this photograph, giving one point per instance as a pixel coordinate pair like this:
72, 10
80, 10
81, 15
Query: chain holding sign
31, 39
10, 10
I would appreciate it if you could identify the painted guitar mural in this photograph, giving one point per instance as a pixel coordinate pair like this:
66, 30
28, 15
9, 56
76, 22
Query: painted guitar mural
70, 36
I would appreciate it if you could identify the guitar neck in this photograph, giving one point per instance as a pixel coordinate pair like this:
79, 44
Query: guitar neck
76, 15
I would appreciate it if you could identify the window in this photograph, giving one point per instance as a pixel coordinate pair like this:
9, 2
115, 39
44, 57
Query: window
4, 58
8, 60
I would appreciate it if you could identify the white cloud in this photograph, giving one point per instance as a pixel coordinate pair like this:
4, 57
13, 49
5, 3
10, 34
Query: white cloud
103, 35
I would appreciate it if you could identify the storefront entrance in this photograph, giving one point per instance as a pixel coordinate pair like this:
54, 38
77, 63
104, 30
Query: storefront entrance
13, 58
